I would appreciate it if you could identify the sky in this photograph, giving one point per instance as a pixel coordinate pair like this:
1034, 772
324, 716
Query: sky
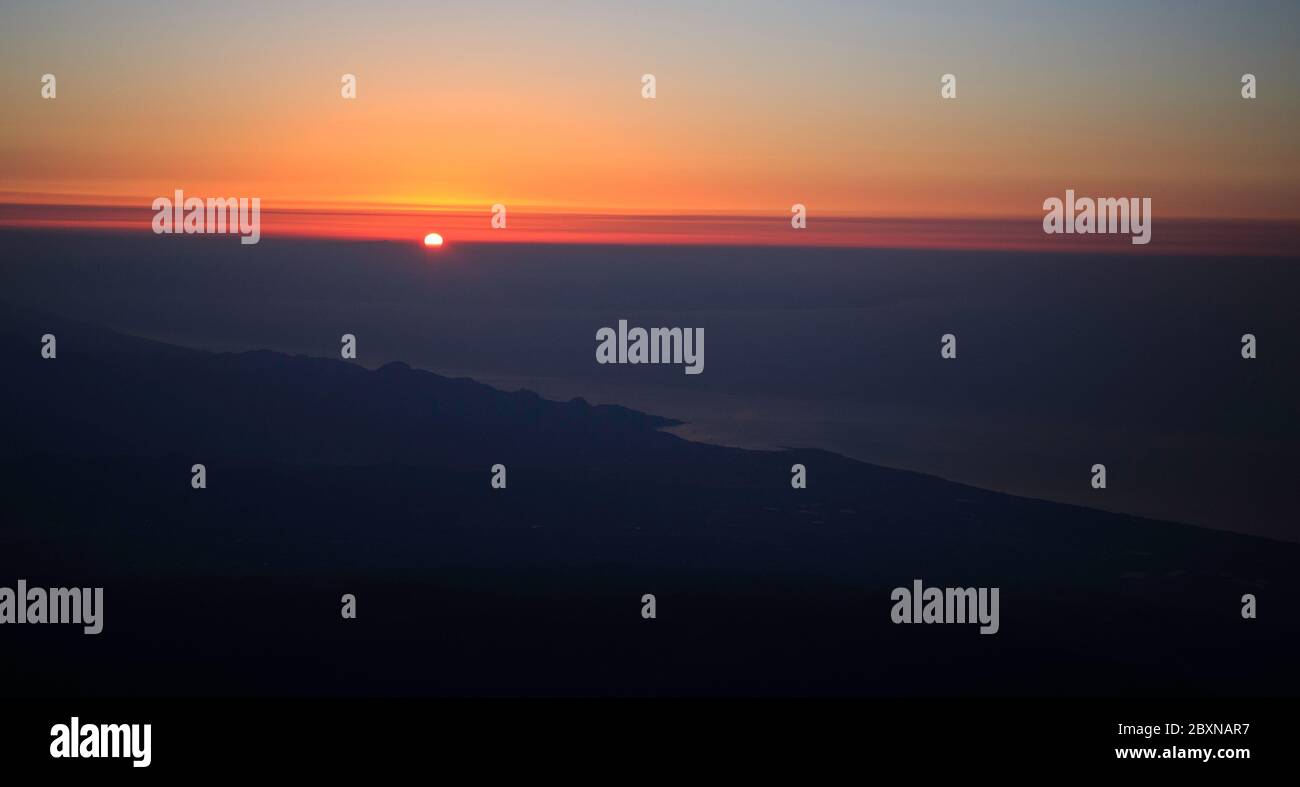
538, 106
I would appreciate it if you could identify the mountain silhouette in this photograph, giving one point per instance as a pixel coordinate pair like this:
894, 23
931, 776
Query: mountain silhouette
325, 478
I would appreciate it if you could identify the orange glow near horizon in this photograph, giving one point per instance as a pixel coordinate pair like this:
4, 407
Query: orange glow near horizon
1265, 238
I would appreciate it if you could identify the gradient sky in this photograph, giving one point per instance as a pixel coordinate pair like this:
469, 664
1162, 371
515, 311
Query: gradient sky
760, 105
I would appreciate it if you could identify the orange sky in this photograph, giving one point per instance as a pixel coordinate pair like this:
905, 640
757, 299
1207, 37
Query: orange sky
539, 107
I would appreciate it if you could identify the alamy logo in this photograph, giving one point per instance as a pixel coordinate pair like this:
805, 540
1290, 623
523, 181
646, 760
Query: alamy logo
920, 604
658, 345
79, 606
1105, 215
75, 739
194, 216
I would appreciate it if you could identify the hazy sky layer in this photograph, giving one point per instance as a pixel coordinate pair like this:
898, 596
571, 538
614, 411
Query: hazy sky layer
760, 105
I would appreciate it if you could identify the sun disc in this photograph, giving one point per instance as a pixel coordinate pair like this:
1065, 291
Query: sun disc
433, 239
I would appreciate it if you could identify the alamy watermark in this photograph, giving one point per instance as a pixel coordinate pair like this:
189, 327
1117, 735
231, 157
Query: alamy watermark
74, 739
657, 345
1105, 215
78, 606
220, 215
919, 604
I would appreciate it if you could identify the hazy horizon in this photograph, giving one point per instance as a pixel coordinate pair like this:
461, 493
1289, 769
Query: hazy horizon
1067, 359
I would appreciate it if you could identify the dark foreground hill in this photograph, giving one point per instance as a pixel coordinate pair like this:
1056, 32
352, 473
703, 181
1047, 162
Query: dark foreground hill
325, 478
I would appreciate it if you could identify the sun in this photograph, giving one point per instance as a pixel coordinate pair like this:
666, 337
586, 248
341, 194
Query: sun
433, 239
